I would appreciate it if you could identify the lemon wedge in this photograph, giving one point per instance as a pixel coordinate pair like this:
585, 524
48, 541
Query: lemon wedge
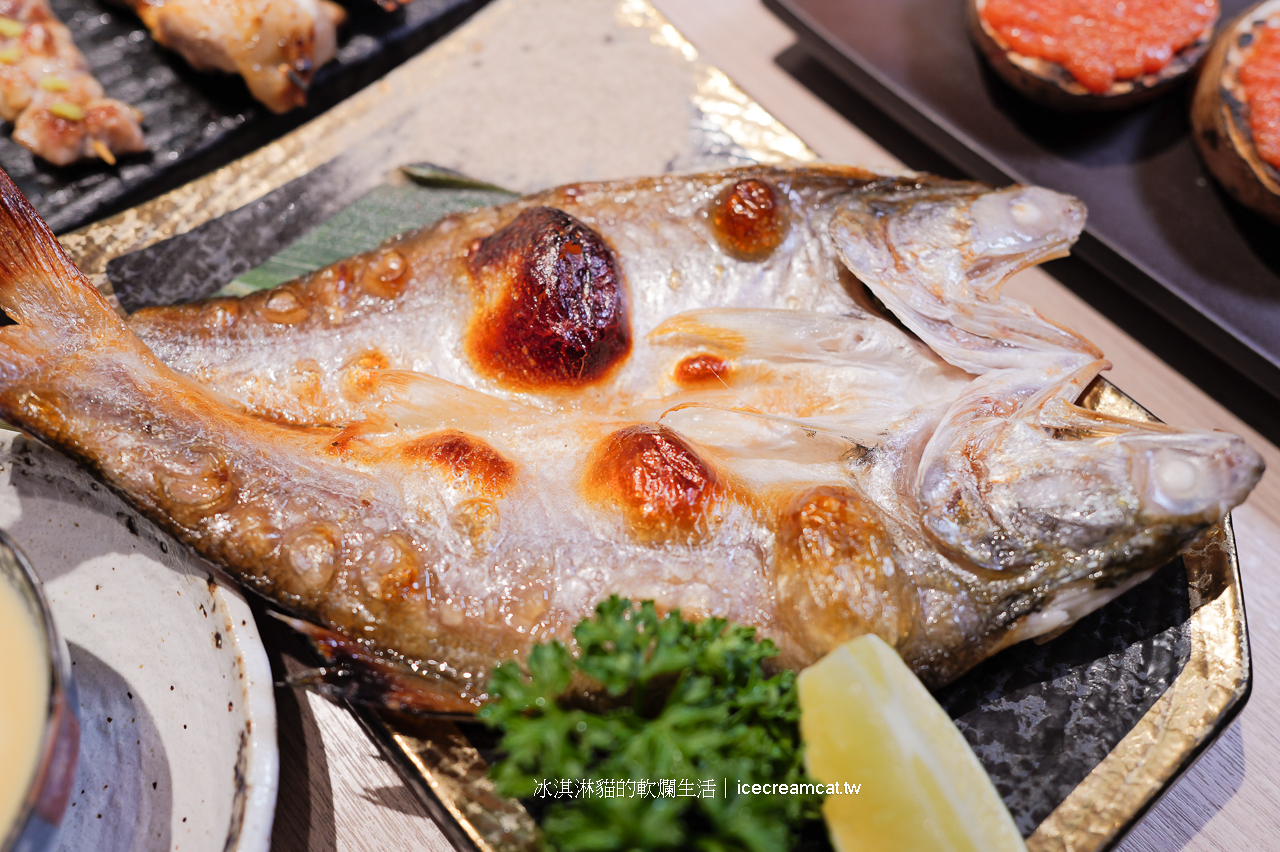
904, 777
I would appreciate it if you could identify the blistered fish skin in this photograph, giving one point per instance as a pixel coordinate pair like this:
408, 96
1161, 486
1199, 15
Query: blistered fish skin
740, 435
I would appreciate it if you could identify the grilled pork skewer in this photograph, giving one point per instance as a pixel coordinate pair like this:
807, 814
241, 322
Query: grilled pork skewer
275, 45
807, 468
57, 106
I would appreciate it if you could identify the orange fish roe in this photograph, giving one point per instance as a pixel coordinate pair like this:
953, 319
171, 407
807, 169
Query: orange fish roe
1101, 41
1260, 76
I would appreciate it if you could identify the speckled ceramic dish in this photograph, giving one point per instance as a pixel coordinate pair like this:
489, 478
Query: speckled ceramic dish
178, 731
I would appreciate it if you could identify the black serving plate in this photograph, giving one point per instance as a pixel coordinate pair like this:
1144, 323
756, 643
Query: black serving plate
197, 122
1158, 224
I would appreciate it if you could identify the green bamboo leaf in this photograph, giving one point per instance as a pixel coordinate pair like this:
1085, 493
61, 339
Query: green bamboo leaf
439, 177
382, 213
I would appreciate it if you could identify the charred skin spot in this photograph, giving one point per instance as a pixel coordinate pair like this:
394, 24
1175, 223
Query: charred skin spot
699, 370
552, 312
835, 575
667, 493
463, 458
748, 221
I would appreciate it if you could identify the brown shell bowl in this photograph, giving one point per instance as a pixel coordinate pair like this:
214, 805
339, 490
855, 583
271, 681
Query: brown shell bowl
1052, 85
1220, 118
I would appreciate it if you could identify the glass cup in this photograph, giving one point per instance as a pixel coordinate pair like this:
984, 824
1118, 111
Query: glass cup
51, 786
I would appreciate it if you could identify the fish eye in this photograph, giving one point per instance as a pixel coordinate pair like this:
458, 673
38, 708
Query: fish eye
1025, 212
1175, 475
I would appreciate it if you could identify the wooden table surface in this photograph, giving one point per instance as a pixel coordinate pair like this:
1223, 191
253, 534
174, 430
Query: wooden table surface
336, 792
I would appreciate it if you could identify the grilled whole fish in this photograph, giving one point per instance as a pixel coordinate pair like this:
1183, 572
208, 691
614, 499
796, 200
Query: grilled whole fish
454, 446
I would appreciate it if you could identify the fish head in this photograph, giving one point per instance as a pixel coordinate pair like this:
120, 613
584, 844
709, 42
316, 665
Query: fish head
1193, 479
1058, 494
936, 257
1049, 517
1011, 229
961, 238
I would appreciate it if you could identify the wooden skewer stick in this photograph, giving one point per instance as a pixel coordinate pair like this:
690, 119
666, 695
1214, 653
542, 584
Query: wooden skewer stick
104, 152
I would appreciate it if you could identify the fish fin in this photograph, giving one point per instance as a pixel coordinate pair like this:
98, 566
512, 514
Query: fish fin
937, 258
407, 400
352, 672
851, 434
55, 308
832, 340
1054, 409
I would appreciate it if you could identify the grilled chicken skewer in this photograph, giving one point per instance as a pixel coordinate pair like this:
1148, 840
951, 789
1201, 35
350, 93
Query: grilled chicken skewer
806, 468
275, 45
57, 106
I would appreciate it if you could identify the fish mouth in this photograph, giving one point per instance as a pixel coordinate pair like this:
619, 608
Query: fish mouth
1020, 218
1184, 484
1193, 478
991, 233
1025, 225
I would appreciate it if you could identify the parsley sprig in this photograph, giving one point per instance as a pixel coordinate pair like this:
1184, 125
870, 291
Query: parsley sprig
653, 698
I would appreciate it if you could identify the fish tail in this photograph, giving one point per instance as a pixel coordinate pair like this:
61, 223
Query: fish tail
227, 484
56, 310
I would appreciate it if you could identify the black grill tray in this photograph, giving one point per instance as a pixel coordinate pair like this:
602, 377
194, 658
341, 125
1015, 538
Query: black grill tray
197, 122
1159, 226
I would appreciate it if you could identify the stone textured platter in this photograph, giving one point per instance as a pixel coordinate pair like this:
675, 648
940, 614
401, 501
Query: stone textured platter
177, 715
1081, 734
